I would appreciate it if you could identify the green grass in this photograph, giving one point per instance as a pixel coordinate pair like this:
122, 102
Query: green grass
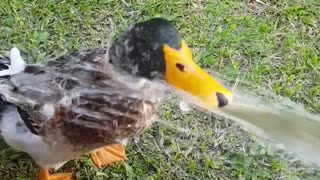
274, 45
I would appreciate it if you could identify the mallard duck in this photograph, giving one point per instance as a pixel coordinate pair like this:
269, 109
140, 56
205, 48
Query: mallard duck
95, 100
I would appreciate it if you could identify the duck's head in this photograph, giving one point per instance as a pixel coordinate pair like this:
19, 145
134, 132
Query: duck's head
153, 49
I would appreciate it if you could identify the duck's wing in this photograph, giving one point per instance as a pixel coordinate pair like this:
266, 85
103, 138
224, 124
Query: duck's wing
39, 89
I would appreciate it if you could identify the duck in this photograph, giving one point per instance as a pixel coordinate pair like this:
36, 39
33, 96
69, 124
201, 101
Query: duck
93, 101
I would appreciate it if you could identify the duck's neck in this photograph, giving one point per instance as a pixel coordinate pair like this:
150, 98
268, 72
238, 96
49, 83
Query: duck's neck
124, 58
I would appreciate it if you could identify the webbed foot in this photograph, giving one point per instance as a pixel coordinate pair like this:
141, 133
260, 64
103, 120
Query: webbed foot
108, 155
44, 175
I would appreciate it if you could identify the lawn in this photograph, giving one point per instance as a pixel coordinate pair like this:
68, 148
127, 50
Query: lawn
272, 44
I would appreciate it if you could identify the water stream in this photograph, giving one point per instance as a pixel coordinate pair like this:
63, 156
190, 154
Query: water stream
278, 119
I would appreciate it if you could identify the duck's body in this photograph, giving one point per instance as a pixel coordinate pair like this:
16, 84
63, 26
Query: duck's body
96, 100
18, 136
77, 105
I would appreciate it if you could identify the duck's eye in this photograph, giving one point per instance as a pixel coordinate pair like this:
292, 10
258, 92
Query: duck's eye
180, 67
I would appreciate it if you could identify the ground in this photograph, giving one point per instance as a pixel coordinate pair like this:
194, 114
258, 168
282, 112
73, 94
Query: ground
272, 44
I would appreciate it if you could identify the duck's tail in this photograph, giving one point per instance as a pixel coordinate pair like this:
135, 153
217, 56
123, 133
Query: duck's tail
11, 65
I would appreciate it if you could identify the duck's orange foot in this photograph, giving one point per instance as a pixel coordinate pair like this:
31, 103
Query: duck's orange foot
108, 155
44, 175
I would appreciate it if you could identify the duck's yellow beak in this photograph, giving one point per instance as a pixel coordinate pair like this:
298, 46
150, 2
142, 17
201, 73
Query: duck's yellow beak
184, 74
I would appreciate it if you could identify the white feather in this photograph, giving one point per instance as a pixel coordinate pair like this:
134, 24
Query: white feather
5, 72
48, 110
17, 63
